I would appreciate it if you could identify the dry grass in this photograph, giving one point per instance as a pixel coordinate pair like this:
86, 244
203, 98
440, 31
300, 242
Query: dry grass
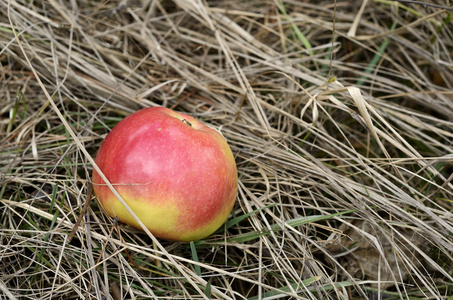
343, 143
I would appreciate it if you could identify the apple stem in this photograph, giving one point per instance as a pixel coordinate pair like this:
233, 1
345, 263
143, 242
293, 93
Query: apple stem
186, 122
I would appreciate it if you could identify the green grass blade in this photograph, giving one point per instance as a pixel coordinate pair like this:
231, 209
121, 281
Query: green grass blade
193, 249
296, 29
293, 223
377, 56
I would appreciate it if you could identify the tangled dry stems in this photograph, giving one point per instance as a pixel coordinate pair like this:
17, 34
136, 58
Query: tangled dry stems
345, 166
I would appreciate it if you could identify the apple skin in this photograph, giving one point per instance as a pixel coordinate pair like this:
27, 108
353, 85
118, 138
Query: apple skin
178, 177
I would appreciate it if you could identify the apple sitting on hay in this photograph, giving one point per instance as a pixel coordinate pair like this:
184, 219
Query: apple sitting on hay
177, 175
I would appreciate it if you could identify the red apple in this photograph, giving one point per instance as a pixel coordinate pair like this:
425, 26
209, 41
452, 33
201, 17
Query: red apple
177, 175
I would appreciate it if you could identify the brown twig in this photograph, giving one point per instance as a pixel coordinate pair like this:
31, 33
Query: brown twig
85, 207
125, 250
115, 222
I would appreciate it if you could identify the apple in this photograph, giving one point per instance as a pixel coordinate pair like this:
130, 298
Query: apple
177, 175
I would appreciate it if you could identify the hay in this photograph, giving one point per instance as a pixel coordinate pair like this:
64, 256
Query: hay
343, 142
